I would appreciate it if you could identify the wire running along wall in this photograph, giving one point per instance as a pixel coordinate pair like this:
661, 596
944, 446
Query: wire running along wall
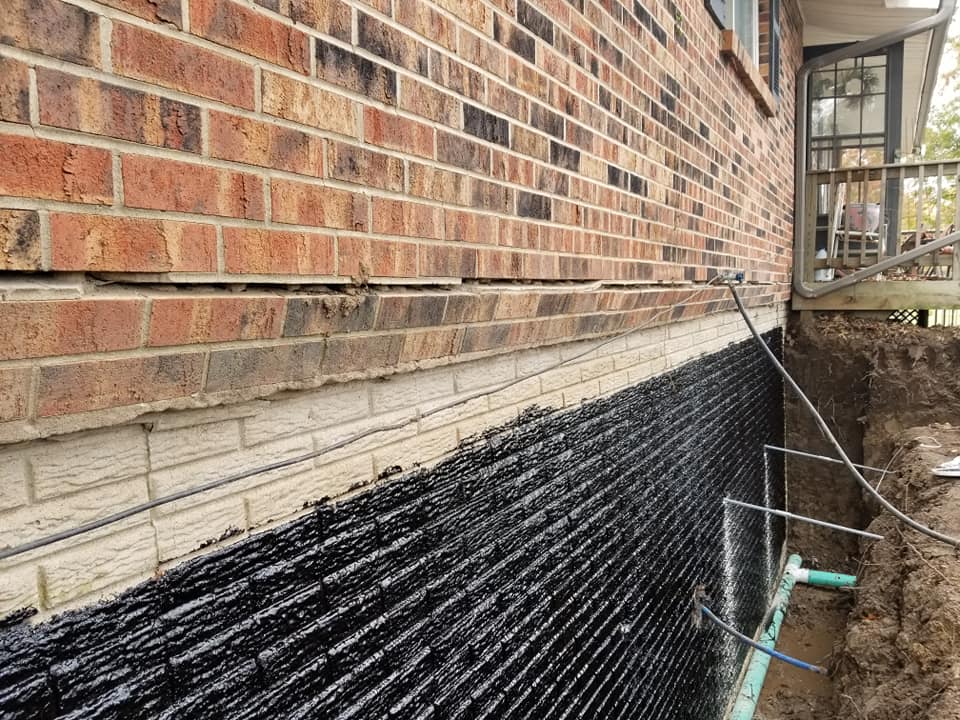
543, 571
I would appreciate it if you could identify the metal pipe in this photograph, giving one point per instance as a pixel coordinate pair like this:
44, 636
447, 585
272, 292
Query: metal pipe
823, 579
801, 453
746, 702
940, 20
825, 429
803, 518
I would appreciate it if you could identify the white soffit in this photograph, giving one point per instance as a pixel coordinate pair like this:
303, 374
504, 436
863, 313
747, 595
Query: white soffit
829, 22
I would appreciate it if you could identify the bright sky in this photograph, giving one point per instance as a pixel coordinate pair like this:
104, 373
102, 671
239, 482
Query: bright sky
950, 64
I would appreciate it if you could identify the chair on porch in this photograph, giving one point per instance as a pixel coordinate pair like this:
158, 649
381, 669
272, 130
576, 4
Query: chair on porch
853, 235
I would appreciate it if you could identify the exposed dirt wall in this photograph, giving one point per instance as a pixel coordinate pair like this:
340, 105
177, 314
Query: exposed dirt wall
870, 380
901, 657
888, 392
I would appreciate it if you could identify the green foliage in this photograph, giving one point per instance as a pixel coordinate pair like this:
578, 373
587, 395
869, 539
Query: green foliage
942, 138
941, 142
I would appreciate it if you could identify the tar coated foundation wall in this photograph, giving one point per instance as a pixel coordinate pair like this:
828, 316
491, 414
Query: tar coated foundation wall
541, 569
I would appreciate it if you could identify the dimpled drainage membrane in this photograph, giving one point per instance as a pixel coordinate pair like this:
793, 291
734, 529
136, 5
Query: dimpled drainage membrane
544, 571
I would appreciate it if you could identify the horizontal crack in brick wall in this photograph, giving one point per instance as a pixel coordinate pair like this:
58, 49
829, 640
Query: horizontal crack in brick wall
186, 349
544, 569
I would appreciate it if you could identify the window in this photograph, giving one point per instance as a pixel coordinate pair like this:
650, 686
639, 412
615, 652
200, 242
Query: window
756, 23
743, 18
848, 118
848, 113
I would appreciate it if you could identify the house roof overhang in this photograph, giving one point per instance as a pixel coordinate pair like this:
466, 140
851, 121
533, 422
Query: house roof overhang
828, 22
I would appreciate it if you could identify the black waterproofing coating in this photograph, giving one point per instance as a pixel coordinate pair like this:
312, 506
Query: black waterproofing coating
544, 571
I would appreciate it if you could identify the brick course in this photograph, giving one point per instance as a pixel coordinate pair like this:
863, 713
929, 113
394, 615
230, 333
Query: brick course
198, 180
646, 167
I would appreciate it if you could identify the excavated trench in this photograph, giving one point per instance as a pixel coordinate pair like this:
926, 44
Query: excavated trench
891, 394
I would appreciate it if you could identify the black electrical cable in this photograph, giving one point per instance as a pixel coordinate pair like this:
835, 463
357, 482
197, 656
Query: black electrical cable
821, 423
253, 472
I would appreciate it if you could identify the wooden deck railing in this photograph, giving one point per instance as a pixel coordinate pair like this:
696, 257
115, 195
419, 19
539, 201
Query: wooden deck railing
858, 217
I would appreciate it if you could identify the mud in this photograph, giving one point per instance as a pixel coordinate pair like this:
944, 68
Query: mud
902, 653
891, 394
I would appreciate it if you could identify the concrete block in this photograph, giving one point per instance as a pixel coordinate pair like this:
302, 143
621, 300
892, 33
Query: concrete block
76, 462
279, 499
523, 393
457, 413
597, 368
647, 370
31, 522
487, 421
485, 373
572, 351
409, 390
332, 435
336, 479
650, 352
576, 394
174, 447
679, 347
421, 450
549, 400
304, 413
624, 360
13, 480
618, 345
560, 378
198, 472
84, 570
681, 329
20, 587
531, 361
645, 338
188, 529
288, 496
614, 382
176, 419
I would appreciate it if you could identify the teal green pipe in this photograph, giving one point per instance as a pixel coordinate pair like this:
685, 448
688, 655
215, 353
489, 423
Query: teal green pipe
746, 704
824, 579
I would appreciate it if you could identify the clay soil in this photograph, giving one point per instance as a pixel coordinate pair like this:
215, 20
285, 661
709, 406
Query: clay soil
891, 394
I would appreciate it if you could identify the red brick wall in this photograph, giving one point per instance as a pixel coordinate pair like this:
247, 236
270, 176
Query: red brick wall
184, 167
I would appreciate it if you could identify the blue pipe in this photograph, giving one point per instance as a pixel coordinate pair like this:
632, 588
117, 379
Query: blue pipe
746, 704
762, 648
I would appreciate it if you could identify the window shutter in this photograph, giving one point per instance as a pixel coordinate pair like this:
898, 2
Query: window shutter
718, 8
774, 63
